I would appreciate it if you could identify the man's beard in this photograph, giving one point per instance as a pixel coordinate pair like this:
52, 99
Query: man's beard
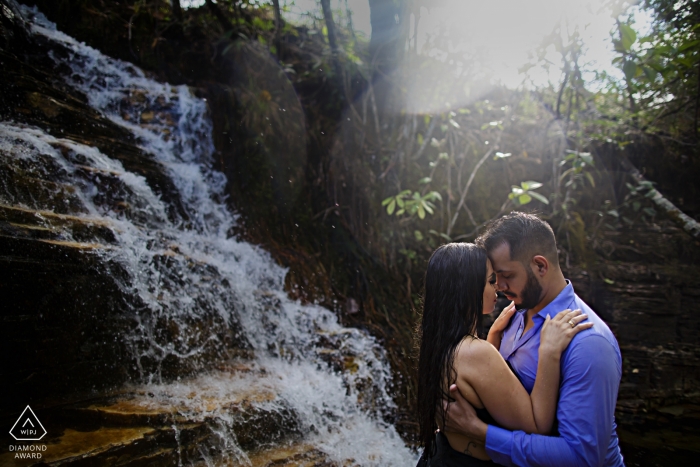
531, 294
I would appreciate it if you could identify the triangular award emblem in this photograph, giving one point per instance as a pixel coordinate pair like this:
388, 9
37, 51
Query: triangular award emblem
27, 427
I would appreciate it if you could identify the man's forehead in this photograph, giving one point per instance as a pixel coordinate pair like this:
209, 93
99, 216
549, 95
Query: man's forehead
500, 258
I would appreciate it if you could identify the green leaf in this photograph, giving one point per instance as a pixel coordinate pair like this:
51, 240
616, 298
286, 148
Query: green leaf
425, 180
608, 281
524, 198
454, 124
400, 202
420, 139
428, 208
517, 191
433, 195
538, 197
629, 68
530, 185
628, 36
387, 201
400, 212
586, 157
443, 155
650, 73
589, 177
688, 45
391, 207
614, 213
651, 212
421, 211
418, 235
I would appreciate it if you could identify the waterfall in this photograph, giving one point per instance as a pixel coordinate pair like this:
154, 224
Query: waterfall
175, 257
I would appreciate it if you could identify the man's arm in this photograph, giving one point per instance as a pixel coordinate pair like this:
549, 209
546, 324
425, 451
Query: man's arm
590, 381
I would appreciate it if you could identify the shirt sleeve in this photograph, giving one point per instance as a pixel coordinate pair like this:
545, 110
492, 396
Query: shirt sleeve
590, 380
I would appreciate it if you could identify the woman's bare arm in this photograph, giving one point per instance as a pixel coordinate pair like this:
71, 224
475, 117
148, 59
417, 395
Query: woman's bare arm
481, 369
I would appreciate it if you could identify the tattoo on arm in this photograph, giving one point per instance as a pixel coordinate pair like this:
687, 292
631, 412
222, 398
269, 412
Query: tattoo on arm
470, 446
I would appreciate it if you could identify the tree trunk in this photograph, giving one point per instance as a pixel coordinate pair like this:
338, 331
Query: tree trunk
333, 42
386, 49
278, 27
177, 11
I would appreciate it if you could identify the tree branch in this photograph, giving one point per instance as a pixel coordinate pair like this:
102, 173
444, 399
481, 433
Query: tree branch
685, 222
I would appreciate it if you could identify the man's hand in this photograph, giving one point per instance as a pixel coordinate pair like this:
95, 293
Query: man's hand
461, 417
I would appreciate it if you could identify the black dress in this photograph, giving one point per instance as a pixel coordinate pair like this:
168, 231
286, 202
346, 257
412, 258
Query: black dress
445, 456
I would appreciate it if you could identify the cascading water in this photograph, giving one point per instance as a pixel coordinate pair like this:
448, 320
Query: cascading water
194, 288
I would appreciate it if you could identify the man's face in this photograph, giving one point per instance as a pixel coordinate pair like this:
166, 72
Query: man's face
515, 280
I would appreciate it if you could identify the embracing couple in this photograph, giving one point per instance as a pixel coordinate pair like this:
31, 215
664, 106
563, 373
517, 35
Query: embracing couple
541, 390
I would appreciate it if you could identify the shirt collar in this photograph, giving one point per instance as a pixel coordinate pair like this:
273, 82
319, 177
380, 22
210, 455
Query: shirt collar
561, 302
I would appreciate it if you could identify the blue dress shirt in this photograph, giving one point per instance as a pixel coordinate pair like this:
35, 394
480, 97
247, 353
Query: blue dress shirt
591, 368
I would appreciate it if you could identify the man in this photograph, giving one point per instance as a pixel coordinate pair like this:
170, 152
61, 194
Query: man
522, 249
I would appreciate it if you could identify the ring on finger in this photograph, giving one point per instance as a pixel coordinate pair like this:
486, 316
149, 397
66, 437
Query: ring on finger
571, 322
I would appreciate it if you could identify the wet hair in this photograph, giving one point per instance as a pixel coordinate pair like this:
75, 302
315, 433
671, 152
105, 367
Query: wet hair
452, 308
525, 234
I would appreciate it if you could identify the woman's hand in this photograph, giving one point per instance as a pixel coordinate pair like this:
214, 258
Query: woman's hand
557, 332
499, 325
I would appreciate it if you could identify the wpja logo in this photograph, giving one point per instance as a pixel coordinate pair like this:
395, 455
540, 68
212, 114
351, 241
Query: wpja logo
28, 427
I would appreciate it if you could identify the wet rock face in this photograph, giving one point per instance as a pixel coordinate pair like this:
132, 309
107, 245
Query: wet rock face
67, 318
646, 286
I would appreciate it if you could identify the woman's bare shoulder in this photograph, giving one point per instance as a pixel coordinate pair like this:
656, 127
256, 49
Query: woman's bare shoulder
476, 351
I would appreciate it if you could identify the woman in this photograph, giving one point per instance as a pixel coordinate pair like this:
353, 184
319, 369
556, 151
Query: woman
460, 285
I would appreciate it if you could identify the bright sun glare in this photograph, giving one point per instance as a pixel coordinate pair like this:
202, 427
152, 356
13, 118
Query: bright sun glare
495, 38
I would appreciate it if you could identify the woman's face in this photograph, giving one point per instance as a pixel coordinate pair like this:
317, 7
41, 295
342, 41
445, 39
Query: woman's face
490, 296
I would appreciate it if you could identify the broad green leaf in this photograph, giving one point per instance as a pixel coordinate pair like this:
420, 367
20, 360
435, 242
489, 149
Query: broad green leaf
400, 212
400, 202
614, 213
387, 201
418, 235
433, 195
650, 73
628, 36
538, 197
420, 139
425, 180
391, 207
530, 185
421, 212
688, 45
586, 157
524, 199
629, 68
427, 207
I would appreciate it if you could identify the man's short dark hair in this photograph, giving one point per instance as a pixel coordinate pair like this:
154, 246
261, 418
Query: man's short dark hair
525, 234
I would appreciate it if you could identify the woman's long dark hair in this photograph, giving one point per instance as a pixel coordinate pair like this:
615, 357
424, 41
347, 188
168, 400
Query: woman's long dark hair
452, 307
